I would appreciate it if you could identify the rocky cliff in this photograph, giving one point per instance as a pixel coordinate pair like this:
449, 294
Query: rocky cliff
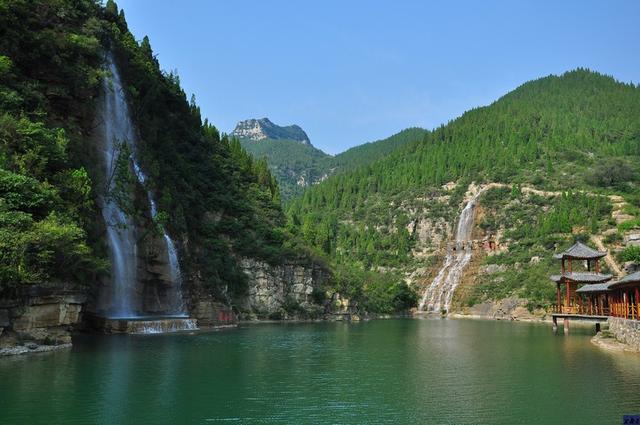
261, 129
286, 291
39, 318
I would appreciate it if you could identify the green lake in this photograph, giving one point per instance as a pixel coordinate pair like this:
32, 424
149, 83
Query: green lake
401, 371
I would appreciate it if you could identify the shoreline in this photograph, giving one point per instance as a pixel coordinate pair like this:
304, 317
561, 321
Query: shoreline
512, 319
19, 350
611, 344
607, 342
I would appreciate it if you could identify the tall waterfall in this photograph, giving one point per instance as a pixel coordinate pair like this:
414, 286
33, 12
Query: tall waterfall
439, 293
121, 230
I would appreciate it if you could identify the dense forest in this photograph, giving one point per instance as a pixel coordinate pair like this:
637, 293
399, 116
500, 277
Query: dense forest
577, 131
216, 200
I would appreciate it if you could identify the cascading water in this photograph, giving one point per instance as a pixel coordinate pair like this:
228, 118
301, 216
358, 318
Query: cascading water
439, 293
177, 304
121, 230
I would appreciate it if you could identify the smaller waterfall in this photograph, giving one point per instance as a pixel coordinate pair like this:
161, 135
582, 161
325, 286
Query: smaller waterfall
161, 326
439, 293
177, 303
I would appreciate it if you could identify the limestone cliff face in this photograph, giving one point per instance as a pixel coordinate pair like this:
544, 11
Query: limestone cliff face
40, 316
274, 289
261, 129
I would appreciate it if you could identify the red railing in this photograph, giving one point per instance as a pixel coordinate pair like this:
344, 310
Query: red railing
581, 309
624, 310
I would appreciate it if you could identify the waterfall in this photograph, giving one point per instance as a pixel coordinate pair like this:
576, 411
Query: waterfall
439, 293
121, 231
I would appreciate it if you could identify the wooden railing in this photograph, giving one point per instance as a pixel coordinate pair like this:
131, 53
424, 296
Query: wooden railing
581, 309
624, 310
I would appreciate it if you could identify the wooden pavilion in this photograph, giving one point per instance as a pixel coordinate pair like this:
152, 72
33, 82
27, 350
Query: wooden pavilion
573, 302
595, 299
624, 297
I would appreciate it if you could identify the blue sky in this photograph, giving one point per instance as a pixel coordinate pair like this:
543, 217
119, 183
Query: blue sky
351, 72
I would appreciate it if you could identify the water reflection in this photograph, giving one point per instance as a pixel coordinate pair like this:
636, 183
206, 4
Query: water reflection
394, 371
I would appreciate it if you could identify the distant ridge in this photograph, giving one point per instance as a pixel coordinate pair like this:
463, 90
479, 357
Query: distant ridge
297, 165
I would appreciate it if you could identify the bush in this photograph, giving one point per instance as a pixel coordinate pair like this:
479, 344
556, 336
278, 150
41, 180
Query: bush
612, 172
37, 252
612, 238
383, 296
631, 253
629, 225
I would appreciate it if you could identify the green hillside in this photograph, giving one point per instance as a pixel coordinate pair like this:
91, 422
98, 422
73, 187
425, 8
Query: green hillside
297, 166
577, 131
372, 151
294, 165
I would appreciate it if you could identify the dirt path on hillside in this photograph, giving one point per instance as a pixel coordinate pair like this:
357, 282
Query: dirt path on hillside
618, 204
611, 262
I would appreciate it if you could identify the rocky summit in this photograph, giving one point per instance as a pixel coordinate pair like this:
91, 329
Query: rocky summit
261, 129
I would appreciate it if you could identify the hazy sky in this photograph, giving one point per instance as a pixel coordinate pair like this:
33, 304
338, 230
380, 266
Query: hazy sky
350, 72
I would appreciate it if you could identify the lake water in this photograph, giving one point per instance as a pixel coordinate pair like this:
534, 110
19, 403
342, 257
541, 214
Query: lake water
386, 371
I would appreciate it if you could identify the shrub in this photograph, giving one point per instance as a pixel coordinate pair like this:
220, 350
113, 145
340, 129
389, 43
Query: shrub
631, 253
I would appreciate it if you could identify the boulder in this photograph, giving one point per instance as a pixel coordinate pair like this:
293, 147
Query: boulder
630, 267
633, 239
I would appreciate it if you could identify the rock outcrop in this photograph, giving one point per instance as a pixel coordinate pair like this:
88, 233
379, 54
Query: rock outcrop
511, 308
261, 129
39, 316
212, 313
626, 331
275, 291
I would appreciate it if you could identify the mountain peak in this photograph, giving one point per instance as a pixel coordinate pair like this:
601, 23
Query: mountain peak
263, 128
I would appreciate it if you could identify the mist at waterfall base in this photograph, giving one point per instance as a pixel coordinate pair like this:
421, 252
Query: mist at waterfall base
438, 295
122, 232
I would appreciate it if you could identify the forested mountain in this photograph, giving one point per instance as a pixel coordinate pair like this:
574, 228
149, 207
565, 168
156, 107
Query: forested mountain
297, 166
216, 201
577, 131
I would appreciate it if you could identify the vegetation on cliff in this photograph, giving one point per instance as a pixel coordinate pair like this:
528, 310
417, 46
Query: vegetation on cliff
213, 197
49, 75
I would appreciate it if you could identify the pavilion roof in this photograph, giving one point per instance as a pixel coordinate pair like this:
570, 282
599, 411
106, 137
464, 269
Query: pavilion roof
582, 277
580, 251
594, 287
630, 278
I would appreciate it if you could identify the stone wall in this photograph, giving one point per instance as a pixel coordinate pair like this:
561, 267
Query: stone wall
272, 288
626, 331
211, 313
40, 315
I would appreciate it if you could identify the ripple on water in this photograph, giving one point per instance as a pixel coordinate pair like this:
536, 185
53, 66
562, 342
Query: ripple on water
391, 371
